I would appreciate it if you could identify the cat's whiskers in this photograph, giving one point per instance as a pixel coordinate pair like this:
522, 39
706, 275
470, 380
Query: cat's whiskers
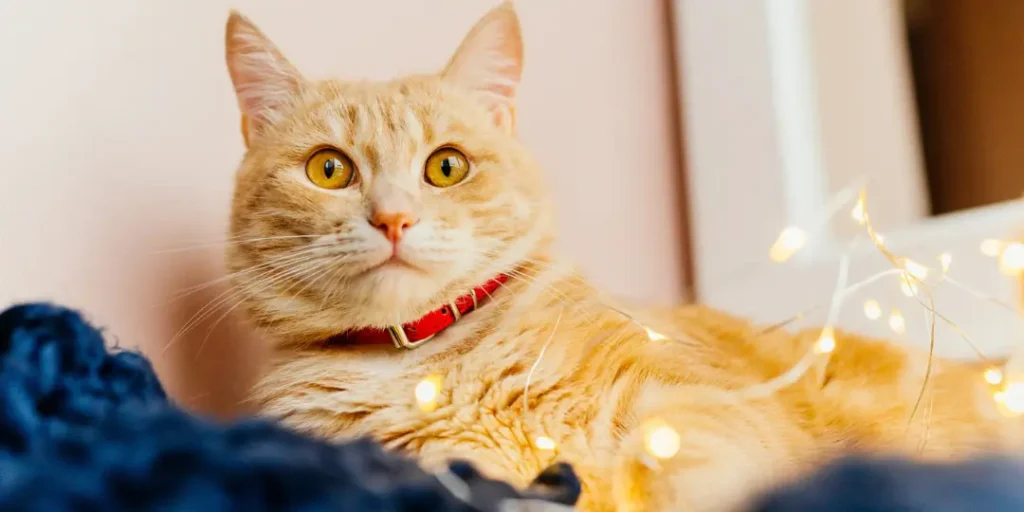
228, 295
521, 275
201, 313
304, 251
328, 266
299, 277
333, 285
230, 242
529, 280
540, 266
311, 274
275, 274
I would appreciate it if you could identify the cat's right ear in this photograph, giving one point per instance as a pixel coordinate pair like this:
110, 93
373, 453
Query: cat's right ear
265, 82
489, 62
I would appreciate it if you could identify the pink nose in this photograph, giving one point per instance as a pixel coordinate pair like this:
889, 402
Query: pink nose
393, 225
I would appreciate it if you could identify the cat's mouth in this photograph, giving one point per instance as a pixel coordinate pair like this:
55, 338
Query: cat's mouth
394, 262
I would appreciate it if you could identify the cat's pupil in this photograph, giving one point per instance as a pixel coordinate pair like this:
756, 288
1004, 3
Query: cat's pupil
446, 167
329, 168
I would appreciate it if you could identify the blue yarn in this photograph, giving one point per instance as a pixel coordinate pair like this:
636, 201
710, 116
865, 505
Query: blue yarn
84, 429
865, 484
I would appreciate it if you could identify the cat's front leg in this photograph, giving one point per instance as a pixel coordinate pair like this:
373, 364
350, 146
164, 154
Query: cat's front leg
698, 449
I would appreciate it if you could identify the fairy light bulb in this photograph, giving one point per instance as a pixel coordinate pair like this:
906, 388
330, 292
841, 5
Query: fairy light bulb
544, 443
790, 240
907, 286
654, 335
858, 214
1013, 398
427, 392
916, 269
826, 341
896, 322
872, 310
1011, 261
994, 376
945, 259
661, 440
991, 247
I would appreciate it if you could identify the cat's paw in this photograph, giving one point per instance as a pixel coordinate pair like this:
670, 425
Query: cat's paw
556, 488
558, 483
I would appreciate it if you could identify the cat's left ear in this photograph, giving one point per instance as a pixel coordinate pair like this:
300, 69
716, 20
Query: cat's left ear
489, 62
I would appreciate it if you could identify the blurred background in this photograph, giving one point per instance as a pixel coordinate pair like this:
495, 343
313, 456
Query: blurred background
679, 136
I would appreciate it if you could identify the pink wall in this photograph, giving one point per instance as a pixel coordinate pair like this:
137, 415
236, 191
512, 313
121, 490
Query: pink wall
120, 134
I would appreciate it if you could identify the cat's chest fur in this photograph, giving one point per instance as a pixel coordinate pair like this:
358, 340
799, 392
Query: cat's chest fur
480, 412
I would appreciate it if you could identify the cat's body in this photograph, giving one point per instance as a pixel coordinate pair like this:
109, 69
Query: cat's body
382, 230
600, 377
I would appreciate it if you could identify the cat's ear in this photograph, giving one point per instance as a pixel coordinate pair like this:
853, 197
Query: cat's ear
489, 62
265, 82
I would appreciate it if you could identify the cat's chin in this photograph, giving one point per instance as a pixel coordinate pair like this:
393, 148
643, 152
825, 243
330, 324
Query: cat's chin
396, 287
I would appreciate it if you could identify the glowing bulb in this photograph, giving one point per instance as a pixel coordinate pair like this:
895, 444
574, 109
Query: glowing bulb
879, 239
654, 335
826, 341
896, 322
1011, 262
915, 269
427, 392
999, 397
909, 288
661, 440
544, 443
945, 259
789, 242
858, 213
872, 310
994, 376
991, 247
1013, 398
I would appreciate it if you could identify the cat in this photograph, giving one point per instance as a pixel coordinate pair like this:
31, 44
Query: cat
391, 233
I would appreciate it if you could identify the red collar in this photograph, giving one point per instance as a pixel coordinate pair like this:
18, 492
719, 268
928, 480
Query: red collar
414, 334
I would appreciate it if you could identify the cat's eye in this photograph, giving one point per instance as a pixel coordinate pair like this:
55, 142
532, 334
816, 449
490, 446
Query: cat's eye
330, 169
446, 167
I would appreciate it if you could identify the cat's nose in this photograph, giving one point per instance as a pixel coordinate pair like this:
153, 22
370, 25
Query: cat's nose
393, 225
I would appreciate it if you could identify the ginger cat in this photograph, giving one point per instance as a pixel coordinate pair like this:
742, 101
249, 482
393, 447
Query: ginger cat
372, 216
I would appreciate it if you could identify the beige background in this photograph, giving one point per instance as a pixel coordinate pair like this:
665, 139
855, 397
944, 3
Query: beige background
119, 136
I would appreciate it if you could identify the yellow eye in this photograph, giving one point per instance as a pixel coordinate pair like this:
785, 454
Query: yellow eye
330, 169
446, 167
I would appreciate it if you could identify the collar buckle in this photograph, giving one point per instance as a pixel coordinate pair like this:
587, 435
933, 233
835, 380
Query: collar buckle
401, 340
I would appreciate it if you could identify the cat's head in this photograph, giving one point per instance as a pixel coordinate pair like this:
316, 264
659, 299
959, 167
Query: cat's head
371, 203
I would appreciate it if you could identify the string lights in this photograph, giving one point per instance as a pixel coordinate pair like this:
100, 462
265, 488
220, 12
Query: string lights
872, 310
662, 441
791, 240
427, 392
544, 443
990, 247
896, 322
994, 376
654, 335
1011, 260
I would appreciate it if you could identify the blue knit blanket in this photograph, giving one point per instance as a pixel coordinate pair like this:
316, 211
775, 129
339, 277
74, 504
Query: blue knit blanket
84, 428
